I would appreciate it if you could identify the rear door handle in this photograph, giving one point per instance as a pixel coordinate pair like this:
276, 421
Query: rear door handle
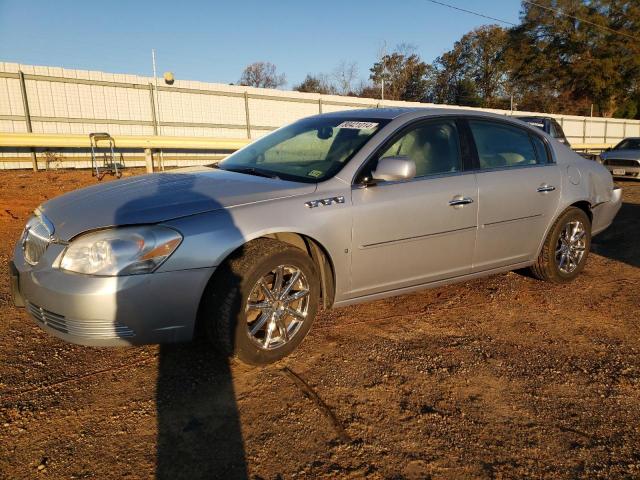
546, 188
459, 201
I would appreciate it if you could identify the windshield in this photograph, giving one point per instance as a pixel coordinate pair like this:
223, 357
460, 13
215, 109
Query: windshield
310, 150
628, 144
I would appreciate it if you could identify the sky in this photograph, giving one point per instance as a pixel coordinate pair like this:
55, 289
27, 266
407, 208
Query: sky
213, 41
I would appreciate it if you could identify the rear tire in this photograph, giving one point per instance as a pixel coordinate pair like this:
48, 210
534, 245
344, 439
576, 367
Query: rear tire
565, 250
255, 307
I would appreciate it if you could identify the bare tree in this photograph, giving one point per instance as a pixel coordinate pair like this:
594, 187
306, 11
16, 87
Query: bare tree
345, 74
262, 75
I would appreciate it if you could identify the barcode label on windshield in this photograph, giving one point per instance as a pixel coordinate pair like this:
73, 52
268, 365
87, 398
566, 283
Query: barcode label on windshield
358, 125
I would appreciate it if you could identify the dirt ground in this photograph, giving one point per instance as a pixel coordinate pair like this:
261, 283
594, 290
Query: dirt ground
505, 377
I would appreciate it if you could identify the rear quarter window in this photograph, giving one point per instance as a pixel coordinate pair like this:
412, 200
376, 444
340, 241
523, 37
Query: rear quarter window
541, 149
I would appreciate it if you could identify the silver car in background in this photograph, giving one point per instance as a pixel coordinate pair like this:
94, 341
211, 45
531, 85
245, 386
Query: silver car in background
331, 210
623, 160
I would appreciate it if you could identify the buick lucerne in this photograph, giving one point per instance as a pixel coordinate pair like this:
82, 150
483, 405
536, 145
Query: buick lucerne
329, 211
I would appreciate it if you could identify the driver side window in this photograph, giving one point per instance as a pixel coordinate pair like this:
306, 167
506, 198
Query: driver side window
433, 146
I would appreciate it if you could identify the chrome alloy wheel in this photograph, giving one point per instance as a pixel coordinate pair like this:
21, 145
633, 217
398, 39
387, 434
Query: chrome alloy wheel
571, 246
277, 307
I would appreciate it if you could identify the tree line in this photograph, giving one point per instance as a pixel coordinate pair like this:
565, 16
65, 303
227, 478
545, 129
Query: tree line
564, 56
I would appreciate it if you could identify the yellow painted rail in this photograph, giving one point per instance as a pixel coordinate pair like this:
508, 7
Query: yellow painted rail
591, 146
46, 140
143, 142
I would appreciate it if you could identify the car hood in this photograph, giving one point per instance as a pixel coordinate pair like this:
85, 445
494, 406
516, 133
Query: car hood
621, 154
160, 197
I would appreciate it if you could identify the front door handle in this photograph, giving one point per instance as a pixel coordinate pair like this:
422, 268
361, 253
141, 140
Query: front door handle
545, 187
459, 201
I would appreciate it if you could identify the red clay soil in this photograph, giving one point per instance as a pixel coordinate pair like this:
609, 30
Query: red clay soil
505, 377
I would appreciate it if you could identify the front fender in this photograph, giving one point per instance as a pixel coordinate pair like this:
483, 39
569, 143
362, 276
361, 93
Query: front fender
210, 238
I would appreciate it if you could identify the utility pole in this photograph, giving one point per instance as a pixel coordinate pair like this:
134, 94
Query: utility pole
383, 54
155, 80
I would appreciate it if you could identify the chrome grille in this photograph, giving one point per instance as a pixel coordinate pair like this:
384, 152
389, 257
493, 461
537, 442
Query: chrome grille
36, 239
618, 162
100, 329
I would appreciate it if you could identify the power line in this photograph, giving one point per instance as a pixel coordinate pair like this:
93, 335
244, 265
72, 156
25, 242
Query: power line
472, 12
554, 10
560, 12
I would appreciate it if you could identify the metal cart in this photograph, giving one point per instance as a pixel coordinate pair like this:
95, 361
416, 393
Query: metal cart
103, 162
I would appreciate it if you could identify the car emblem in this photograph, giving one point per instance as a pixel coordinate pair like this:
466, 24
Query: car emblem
324, 201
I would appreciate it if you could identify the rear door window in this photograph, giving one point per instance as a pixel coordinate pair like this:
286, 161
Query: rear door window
500, 145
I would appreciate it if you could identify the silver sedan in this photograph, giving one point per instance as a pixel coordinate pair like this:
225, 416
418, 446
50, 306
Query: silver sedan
329, 211
623, 160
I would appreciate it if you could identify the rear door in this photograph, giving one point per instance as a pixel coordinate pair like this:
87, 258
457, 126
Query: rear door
407, 233
519, 190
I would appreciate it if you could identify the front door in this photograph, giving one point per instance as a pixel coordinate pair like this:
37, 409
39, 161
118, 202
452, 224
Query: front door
417, 231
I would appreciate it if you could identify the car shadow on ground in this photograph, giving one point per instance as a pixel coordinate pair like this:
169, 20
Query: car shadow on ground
621, 240
199, 433
198, 425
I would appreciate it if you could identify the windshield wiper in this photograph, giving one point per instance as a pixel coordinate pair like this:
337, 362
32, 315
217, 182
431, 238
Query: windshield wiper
252, 171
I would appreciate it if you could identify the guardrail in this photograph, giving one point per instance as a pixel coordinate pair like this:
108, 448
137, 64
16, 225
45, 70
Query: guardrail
56, 140
46, 140
127, 142
591, 147
150, 143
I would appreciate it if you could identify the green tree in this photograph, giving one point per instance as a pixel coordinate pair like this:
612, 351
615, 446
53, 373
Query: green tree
315, 84
476, 65
560, 63
405, 76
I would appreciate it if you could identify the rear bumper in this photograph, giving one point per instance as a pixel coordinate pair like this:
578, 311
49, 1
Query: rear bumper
604, 213
110, 311
632, 172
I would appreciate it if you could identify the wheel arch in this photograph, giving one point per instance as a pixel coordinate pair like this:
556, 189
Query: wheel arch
320, 257
583, 205
312, 247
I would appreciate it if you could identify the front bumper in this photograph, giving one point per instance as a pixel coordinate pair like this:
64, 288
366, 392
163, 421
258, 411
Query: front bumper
604, 213
110, 311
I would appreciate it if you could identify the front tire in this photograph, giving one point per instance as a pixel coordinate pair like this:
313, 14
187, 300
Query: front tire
262, 302
565, 250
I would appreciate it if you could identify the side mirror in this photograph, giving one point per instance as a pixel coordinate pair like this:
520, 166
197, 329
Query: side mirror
395, 168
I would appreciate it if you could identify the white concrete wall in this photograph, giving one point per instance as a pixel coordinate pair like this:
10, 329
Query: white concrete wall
195, 108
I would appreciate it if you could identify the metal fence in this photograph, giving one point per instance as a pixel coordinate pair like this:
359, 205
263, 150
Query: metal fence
55, 100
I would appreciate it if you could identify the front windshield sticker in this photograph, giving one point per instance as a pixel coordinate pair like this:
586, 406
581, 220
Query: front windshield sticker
358, 125
315, 173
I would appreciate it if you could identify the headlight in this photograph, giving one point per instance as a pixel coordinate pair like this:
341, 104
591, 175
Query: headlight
120, 251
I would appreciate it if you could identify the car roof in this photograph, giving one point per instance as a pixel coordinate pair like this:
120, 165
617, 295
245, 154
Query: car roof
373, 113
415, 112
